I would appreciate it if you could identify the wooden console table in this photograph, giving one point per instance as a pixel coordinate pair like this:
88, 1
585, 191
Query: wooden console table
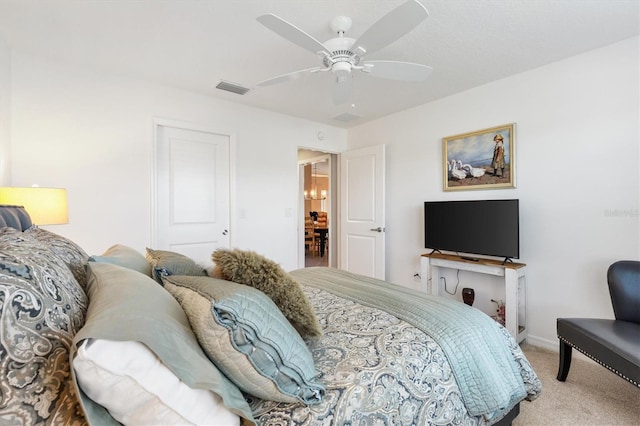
514, 283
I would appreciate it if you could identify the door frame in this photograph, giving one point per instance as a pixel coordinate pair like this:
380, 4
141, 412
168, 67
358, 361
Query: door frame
178, 124
333, 200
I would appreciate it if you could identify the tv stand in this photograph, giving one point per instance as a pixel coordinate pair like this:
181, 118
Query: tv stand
512, 274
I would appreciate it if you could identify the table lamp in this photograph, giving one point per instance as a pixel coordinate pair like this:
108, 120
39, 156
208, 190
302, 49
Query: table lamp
46, 206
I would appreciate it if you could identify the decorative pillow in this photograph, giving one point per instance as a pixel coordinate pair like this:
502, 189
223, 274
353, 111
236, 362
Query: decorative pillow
41, 308
127, 306
247, 337
252, 269
124, 256
165, 263
139, 389
14, 217
71, 253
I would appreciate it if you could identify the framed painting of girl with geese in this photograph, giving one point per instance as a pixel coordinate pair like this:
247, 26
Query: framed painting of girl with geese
484, 159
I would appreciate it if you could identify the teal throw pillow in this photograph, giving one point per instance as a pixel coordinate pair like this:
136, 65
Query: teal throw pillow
247, 337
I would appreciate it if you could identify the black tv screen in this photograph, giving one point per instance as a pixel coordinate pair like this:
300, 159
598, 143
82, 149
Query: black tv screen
486, 227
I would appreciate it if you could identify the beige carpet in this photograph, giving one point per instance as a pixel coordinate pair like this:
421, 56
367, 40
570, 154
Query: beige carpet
592, 395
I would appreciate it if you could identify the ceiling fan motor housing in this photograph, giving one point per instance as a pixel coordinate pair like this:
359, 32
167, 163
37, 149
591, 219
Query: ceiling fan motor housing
340, 48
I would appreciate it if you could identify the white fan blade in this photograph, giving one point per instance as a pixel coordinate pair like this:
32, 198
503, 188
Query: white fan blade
392, 26
292, 33
395, 70
342, 91
287, 77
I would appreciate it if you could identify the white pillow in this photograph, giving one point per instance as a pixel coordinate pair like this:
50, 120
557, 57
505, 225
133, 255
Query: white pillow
135, 387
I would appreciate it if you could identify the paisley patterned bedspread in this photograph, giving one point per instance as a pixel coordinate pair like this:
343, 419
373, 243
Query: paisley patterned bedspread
379, 369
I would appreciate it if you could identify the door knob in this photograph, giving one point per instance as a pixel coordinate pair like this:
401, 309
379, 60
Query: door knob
378, 229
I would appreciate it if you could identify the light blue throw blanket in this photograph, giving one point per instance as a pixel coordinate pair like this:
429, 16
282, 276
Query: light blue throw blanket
478, 351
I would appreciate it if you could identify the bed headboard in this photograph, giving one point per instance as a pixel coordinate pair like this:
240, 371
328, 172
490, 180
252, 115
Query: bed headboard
14, 217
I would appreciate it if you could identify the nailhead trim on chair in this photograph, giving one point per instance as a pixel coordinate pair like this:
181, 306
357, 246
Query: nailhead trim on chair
629, 379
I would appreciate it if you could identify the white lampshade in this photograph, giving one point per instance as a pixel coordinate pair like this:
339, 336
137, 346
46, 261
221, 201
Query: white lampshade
46, 206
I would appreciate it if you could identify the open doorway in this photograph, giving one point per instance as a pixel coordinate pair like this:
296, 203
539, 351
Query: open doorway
317, 206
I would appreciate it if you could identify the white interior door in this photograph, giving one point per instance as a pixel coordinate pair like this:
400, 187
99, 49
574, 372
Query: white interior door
362, 213
192, 176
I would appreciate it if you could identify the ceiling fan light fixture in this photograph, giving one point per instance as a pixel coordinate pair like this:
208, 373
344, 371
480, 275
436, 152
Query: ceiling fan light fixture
342, 71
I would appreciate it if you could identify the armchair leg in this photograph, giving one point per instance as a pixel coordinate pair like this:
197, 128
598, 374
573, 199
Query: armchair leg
564, 361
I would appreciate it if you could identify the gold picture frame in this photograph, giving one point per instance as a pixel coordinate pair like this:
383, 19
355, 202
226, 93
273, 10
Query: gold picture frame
484, 159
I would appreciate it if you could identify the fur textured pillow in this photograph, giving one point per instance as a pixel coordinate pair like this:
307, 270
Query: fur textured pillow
253, 269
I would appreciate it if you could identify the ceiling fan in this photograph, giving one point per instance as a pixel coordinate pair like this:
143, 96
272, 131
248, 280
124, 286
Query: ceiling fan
342, 55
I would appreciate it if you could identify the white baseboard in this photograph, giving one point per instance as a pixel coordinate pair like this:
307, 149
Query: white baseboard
551, 345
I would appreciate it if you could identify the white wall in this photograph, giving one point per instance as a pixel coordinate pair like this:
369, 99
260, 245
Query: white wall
5, 112
92, 134
578, 178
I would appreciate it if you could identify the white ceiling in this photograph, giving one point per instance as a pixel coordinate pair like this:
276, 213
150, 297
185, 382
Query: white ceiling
193, 44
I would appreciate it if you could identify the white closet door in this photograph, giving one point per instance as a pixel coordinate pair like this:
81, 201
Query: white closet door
192, 192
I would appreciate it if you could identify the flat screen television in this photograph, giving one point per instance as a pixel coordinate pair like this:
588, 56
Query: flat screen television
485, 227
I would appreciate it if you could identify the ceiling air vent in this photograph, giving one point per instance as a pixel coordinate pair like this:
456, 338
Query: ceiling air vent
232, 87
346, 117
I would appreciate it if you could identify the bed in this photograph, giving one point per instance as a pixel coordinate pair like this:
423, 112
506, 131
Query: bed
381, 353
